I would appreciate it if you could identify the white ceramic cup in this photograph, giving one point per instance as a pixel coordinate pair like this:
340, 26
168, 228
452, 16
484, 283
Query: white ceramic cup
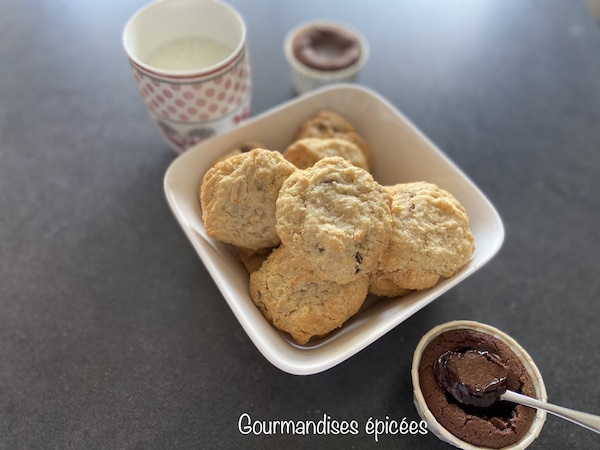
190, 105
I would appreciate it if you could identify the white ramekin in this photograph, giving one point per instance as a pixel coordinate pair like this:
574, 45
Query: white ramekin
434, 426
306, 78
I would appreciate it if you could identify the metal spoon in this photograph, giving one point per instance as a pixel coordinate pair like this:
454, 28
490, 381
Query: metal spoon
478, 378
589, 421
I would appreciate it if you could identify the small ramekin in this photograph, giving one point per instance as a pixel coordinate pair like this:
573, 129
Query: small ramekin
434, 426
305, 78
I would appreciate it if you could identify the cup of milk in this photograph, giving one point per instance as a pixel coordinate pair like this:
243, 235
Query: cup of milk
190, 62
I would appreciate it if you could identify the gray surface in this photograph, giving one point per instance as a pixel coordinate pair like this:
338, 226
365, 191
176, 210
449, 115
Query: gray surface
113, 335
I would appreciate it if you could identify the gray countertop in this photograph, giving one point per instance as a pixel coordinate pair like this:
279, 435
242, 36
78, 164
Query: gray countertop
113, 334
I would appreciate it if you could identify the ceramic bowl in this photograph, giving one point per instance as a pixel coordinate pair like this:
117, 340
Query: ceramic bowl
401, 154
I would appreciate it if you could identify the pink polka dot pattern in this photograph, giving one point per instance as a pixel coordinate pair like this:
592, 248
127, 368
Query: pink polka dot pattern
189, 109
193, 100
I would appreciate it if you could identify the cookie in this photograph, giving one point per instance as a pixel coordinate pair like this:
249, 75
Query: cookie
328, 124
303, 153
238, 197
292, 296
243, 147
431, 238
252, 259
335, 215
381, 285
247, 146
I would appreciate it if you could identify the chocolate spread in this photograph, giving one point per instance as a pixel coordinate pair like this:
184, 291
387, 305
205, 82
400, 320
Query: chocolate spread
325, 48
474, 378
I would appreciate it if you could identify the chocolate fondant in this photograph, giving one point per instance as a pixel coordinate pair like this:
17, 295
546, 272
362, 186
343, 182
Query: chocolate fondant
498, 426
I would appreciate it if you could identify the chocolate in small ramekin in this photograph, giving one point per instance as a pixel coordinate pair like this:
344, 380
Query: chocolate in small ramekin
506, 425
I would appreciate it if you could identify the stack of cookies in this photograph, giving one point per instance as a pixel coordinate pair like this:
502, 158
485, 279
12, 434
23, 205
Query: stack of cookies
318, 234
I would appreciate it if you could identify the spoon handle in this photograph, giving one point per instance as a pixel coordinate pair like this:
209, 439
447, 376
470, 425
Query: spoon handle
589, 421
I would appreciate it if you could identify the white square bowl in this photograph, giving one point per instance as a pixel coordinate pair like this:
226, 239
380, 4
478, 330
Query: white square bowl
401, 154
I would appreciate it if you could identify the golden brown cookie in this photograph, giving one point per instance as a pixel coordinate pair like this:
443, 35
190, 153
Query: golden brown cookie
238, 198
328, 124
383, 286
431, 237
251, 258
243, 147
335, 215
303, 153
246, 146
293, 297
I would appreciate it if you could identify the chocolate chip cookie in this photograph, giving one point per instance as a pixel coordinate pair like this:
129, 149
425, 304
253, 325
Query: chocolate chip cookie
238, 197
336, 216
303, 153
328, 124
431, 237
294, 298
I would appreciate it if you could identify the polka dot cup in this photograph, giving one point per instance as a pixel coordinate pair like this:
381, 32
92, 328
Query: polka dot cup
189, 106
